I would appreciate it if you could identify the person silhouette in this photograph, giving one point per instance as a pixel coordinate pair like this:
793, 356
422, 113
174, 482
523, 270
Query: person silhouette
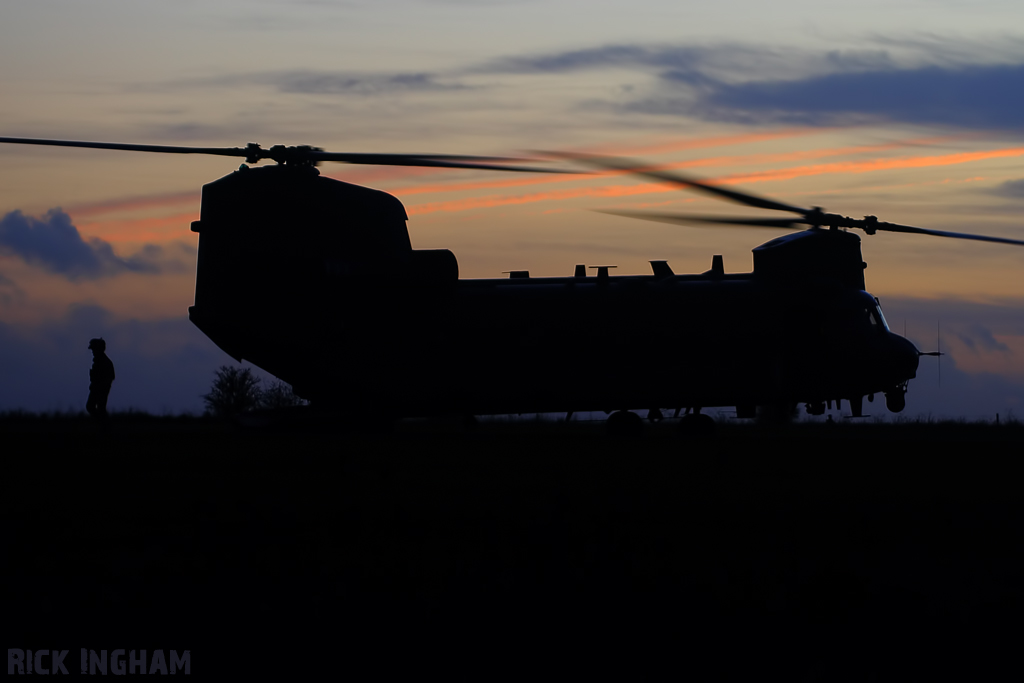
100, 378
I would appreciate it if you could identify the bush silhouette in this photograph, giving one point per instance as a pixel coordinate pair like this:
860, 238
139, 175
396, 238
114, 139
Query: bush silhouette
234, 391
237, 390
279, 395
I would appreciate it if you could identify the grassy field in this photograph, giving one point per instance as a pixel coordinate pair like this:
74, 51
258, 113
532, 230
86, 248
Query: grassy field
855, 551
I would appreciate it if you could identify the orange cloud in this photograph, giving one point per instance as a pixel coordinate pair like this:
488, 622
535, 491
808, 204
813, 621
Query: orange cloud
869, 166
173, 227
495, 184
759, 176
133, 204
778, 157
748, 159
379, 173
375, 174
498, 200
162, 229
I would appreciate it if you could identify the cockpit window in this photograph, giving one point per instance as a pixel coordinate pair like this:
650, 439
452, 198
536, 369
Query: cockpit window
874, 315
881, 316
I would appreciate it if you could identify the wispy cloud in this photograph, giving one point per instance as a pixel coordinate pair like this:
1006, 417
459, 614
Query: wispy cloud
979, 338
601, 57
694, 63
312, 82
341, 83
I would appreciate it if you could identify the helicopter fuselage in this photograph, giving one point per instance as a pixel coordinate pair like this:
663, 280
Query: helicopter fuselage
315, 281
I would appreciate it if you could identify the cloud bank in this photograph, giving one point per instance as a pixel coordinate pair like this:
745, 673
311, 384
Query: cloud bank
919, 80
935, 84
53, 243
1013, 189
979, 97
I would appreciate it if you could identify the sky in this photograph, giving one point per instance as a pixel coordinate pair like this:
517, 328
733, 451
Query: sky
907, 110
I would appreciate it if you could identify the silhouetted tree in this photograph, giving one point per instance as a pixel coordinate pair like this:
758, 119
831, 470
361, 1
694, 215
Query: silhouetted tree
234, 391
279, 395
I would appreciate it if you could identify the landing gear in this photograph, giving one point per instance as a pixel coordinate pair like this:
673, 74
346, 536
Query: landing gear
696, 425
896, 399
815, 408
625, 424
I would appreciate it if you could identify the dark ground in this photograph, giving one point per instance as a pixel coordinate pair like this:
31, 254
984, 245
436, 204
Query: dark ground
850, 552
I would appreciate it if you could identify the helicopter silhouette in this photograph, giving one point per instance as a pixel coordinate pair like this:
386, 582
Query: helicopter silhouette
315, 280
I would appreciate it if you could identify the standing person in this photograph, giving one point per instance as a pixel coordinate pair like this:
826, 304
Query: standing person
100, 377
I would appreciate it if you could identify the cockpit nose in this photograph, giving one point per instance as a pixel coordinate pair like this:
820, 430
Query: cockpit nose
905, 356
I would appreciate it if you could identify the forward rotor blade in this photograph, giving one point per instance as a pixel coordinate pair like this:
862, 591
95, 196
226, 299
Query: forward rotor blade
645, 170
685, 219
894, 227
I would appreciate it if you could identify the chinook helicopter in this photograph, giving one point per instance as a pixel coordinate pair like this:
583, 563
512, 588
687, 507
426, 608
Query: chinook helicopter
315, 280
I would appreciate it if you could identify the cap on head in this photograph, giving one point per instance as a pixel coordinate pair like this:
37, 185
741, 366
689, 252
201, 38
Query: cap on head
98, 344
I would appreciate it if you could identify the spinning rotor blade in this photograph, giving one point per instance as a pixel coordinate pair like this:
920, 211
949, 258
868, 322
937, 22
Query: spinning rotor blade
645, 170
253, 153
812, 217
686, 219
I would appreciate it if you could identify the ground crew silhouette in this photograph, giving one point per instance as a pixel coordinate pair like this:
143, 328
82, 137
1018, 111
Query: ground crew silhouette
100, 377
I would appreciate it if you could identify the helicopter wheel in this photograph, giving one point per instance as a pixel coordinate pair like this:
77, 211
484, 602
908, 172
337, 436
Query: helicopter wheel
696, 426
896, 400
624, 424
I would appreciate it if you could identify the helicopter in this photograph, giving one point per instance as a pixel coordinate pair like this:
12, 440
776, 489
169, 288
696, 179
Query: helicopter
315, 281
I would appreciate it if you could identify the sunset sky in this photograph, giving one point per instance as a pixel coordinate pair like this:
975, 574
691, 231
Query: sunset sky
907, 110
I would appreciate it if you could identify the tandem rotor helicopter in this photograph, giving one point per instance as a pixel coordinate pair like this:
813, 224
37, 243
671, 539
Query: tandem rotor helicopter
315, 280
